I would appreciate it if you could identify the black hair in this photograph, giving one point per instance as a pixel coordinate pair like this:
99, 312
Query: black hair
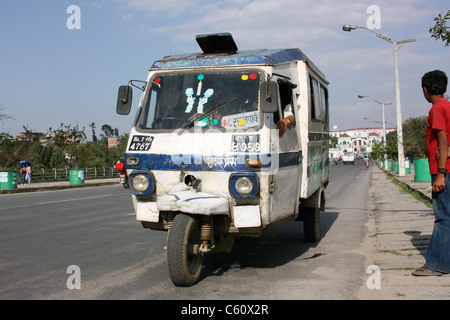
435, 82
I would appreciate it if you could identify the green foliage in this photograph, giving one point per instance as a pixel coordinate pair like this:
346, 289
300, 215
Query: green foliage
66, 148
440, 29
391, 145
333, 142
378, 151
414, 139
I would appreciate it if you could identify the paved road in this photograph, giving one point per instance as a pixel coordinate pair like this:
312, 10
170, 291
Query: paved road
42, 234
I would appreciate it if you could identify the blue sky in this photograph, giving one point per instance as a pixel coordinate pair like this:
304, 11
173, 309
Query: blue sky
50, 74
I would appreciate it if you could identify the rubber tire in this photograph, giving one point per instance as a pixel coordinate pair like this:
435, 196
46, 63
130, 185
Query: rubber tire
311, 224
184, 266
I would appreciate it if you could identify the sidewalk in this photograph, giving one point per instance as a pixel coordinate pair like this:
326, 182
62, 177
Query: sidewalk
399, 229
57, 185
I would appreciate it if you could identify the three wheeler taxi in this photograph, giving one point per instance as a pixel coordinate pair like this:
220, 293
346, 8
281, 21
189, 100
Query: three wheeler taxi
208, 158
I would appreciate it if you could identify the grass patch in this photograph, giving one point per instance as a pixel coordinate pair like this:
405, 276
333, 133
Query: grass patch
417, 195
379, 234
396, 253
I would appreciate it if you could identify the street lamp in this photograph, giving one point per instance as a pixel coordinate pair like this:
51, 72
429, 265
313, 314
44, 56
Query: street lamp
397, 45
384, 122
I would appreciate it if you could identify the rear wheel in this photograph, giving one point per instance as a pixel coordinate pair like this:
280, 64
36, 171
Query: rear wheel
184, 263
311, 223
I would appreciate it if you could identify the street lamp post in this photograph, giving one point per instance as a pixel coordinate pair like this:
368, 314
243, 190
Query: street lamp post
397, 45
383, 104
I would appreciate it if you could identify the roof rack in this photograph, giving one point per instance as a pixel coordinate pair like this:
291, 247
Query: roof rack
217, 43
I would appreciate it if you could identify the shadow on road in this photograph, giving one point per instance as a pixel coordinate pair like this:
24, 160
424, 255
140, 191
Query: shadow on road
419, 241
272, 249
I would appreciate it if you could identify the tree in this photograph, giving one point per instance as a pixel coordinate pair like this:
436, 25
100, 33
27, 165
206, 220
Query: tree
68, 148
94, 137
4, 116
391, 145
333, 142
108, 131
414, 137
13, 151
66, 135
440, 30
378, 151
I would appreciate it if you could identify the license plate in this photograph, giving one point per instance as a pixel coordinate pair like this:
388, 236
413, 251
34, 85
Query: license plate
140, 143
245, 143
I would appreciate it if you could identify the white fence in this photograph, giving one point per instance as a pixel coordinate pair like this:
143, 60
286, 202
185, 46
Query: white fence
42, 175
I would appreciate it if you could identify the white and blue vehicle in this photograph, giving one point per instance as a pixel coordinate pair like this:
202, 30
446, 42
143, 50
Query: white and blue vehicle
204, 158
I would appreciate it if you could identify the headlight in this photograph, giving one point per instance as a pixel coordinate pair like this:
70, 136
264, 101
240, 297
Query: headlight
243, 185
140, 183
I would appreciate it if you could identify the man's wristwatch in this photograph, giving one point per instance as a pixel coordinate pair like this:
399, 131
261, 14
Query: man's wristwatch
442, 170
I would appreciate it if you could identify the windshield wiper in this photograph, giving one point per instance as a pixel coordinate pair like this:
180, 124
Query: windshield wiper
204, 115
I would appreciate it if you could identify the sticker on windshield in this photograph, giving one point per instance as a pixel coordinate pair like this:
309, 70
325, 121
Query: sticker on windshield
241, 121
245, 143
202, 101
141, 143
190, 100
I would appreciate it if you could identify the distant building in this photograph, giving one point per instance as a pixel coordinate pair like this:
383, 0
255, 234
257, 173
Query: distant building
44, 139
29, 136
356, 140
113, 142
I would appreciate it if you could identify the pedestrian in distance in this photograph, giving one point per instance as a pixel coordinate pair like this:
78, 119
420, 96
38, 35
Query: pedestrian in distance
28, 173
434, 85
23, 173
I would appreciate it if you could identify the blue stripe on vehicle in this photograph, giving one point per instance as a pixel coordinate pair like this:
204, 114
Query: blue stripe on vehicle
198, 162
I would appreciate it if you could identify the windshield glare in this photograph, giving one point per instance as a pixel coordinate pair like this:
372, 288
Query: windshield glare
176, 99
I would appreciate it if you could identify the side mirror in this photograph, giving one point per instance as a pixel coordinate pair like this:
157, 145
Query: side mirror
124, 99
269, 96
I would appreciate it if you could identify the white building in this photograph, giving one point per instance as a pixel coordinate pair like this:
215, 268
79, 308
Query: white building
356, 140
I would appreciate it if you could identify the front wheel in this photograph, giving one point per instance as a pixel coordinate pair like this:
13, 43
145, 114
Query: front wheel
184, 263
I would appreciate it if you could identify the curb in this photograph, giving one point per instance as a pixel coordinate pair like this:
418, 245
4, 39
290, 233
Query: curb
51, 187
419, 192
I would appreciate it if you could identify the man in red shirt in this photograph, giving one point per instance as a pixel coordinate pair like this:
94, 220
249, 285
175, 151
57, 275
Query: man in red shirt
434, 85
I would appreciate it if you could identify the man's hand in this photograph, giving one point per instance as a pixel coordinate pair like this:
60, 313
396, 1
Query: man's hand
283, 124
439, 183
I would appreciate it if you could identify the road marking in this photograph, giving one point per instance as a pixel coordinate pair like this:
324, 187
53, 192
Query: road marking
76, 199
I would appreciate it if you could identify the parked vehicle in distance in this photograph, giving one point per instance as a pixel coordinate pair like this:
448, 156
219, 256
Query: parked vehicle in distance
348, 157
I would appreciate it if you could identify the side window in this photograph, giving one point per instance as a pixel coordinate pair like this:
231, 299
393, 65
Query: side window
285, 90
314, 99
324, 103
286, 104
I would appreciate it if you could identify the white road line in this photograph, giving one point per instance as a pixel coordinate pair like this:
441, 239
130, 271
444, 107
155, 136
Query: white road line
75, 199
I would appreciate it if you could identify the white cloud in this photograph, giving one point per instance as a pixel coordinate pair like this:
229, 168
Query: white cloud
354, 63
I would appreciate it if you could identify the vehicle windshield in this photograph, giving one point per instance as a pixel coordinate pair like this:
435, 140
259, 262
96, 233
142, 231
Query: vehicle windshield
223, 100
